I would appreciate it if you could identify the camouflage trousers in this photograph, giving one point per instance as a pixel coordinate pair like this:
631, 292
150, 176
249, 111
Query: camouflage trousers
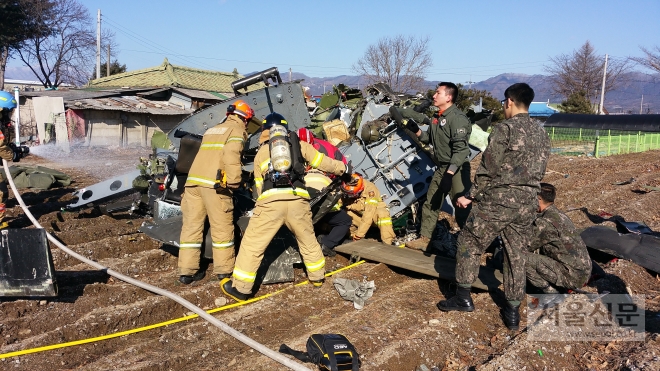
504, 212
543, 270
434, 199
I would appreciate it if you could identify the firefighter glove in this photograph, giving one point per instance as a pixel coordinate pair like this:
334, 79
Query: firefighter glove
233, 186
445, 183
412, 126
346, 176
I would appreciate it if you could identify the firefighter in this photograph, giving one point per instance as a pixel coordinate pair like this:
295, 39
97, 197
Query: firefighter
214, 175
336, 219
8, 150
321, 145
282, 199
362, 200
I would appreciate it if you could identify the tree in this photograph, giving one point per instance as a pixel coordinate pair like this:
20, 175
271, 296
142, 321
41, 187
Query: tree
401, 61
583, 71
652, 59
577, 102
115, 68
469, 97
68, 54
16, 26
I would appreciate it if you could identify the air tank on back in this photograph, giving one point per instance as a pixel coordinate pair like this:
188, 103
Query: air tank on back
280, 151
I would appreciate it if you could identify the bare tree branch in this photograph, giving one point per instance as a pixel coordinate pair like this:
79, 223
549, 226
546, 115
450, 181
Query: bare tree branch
652, 59
582, 71
400, 61
68, 55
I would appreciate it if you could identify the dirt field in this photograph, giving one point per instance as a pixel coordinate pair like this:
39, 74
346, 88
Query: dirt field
399, 328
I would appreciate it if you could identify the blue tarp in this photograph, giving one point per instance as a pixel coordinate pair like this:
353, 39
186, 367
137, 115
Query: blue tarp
541, 109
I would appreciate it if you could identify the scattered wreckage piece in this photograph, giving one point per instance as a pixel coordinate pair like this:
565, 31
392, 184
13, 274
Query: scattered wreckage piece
416, 261
641, 249
112, 187
26, 266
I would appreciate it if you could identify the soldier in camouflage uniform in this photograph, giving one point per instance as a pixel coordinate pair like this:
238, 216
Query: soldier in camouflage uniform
449, 134
563, 259
504, 195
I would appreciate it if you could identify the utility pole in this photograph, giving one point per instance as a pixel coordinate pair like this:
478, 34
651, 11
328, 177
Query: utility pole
289, 74
602, 90
107, 73
98, 45
323, 87
641, 104
470, 82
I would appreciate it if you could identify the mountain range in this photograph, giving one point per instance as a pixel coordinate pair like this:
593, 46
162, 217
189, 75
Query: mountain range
626, 98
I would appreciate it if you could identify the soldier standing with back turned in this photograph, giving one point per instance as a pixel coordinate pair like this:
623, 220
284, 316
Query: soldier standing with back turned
505, 203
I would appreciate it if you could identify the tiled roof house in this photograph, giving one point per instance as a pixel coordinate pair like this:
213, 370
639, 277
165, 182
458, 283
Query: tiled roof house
175, 76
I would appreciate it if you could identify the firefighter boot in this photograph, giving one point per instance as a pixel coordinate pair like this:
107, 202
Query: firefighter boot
419, 244
229, 290
462, 301
319, 283
511, 316
187, 280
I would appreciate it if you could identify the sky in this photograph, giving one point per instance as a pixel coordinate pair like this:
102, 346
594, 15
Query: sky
469, 40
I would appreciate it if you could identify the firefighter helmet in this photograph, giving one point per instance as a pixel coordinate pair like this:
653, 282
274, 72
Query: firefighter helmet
274, 119
7, 100
242, 109
306, 135
354, 187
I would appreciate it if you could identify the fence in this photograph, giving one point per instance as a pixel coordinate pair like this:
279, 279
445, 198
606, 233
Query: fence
597, 143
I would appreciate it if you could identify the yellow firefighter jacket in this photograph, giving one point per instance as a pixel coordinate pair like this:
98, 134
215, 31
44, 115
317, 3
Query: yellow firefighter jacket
367, 205
314, 158
220, 151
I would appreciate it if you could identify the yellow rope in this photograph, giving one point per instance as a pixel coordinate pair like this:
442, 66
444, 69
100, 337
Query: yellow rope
161, 324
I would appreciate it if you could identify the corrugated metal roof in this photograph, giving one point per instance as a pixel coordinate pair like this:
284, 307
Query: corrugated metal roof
129, 104
649, 123
198, 94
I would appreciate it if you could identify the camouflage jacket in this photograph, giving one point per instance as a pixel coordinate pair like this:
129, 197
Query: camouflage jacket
556, 237
449, 134
516, 157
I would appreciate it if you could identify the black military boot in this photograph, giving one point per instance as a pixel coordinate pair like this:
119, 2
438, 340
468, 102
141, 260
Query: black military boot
511, 316
187, 280
461, 302
326, 250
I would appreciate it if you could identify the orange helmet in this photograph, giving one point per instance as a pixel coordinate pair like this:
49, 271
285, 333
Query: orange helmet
242, 109
306, 135
354, 188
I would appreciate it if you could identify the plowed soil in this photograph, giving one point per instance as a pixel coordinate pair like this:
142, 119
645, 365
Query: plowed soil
399, 328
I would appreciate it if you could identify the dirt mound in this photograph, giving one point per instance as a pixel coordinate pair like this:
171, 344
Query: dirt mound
399, 328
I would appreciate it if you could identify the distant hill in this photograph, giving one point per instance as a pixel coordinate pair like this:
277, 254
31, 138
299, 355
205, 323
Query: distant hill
626, 98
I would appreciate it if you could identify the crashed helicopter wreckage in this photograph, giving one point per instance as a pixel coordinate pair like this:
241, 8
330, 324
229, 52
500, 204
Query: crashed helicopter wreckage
370, 133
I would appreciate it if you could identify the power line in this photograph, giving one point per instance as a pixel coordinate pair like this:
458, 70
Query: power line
150, 44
